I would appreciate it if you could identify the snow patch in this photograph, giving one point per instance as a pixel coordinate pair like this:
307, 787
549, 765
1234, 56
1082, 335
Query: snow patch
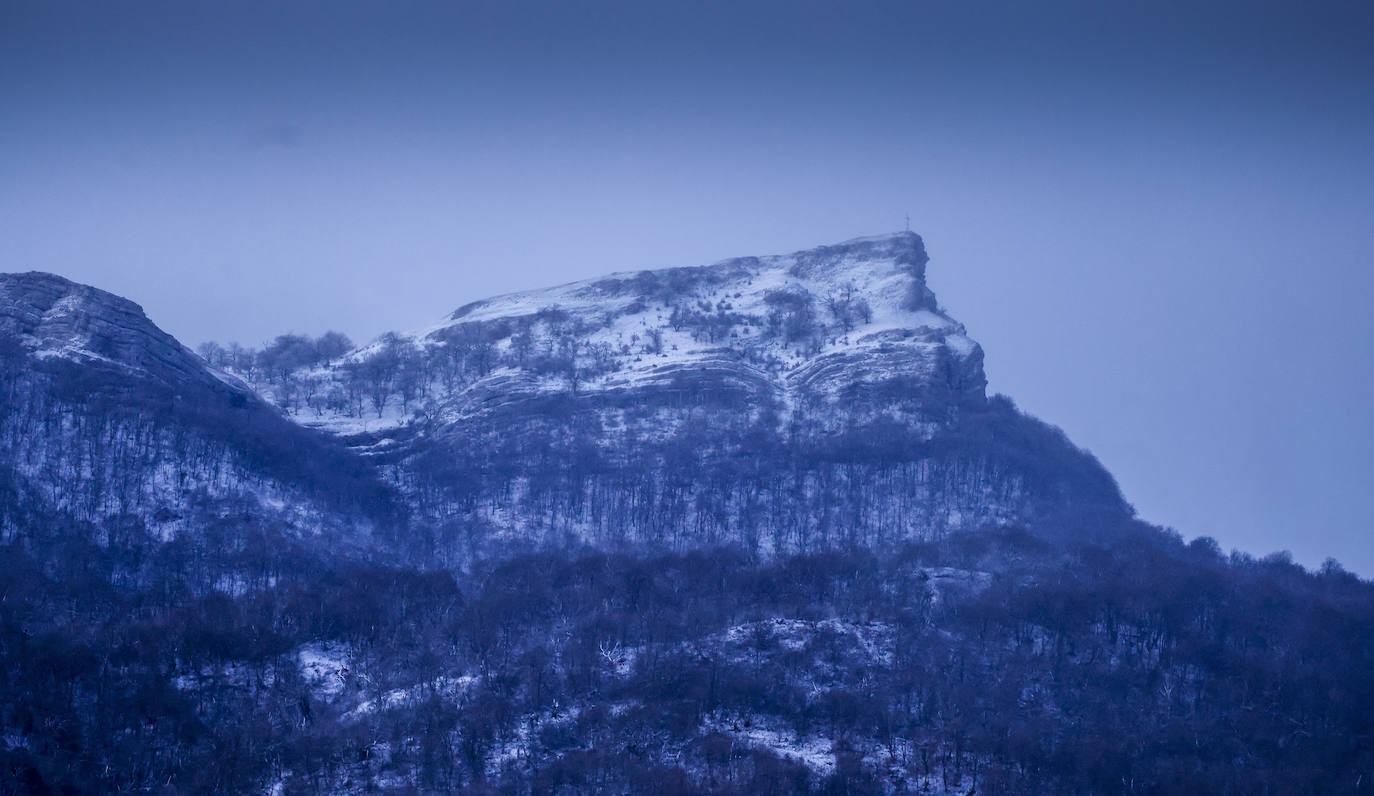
325, 667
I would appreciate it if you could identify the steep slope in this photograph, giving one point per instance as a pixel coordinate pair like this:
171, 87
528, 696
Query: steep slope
786, 403
112, 425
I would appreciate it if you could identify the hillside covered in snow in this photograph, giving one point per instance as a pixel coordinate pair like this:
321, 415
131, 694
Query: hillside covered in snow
750, 527
786, 403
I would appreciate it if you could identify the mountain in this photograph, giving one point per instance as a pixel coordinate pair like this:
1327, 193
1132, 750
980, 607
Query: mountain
751, 527
785, 403
112, 424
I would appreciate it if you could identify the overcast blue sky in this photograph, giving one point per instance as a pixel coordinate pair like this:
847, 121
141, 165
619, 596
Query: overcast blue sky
1157, 217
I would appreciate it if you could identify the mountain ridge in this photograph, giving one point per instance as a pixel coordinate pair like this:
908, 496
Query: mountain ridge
801, 552
838, 352
727, 403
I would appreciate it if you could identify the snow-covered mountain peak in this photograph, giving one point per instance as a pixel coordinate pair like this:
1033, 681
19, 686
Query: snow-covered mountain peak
792, 318
845, 318
779, 329
886, 270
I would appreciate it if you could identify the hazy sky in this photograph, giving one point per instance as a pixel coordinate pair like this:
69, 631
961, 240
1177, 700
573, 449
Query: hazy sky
1157, 217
